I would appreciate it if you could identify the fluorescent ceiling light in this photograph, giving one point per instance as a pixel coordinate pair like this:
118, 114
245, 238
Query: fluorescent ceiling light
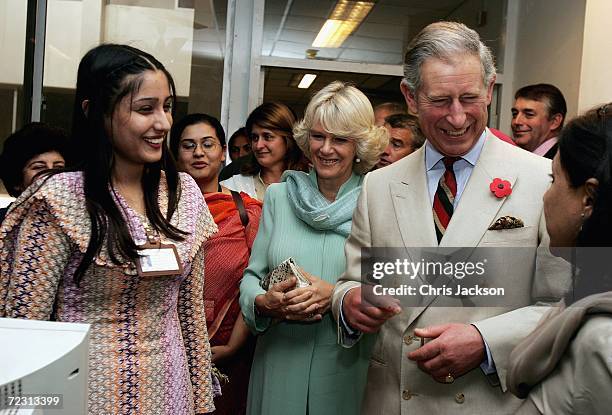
334, 33
307, 80
343, 20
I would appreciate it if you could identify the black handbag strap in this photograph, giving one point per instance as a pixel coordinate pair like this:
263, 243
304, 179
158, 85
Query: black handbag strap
244, 218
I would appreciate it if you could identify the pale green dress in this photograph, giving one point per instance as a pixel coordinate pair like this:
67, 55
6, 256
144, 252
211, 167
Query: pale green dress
299, 368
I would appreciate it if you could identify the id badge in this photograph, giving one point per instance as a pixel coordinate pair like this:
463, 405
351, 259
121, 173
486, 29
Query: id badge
158, 260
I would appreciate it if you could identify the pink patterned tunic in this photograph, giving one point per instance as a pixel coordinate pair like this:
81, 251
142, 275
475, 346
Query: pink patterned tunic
149, 350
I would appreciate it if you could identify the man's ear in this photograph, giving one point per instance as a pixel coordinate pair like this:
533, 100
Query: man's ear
590, 195
85, 107
556, 121
490, 88
409, 96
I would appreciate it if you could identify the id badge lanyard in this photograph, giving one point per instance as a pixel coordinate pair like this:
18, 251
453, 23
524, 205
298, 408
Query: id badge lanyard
157, 259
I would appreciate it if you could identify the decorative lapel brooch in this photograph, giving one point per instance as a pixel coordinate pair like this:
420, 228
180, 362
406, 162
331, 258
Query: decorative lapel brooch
506, 222
500, 188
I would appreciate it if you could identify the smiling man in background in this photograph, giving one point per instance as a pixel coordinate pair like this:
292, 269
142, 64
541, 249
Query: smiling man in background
538, 114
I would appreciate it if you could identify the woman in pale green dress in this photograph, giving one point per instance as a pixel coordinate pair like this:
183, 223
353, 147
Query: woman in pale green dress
299, 368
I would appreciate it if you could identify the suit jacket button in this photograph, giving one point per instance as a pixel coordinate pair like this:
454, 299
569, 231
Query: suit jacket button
408, 339
459, 398
406, 395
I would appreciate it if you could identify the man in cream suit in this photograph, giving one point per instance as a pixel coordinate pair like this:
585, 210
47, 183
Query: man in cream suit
448, 83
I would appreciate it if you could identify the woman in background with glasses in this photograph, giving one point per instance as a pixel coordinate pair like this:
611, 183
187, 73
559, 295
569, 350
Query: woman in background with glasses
298, 367
198, 144
270, 127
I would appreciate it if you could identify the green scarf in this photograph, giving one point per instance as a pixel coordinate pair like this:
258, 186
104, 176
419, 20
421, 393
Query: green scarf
313, 208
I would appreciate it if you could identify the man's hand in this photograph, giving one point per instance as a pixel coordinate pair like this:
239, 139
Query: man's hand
455, 349
364, 316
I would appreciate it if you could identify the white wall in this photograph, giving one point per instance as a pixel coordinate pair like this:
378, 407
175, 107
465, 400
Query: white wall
491, 31
549, 46
596, 74
12, 40
74, 27
63, 49
166, 34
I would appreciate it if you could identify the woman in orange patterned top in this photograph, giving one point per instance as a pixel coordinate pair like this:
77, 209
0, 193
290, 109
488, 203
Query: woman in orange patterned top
73, 246
198, 143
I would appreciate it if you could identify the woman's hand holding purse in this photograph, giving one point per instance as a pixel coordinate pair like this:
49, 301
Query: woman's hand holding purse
311, 302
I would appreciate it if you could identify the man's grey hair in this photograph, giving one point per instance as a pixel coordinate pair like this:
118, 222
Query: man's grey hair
444, 41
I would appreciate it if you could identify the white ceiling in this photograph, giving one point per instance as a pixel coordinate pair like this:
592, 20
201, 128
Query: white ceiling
290, 27
381, 38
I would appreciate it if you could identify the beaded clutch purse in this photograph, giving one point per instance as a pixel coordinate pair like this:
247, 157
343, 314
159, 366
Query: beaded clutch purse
283, 271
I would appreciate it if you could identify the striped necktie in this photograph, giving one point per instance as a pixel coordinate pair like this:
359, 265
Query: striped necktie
445, 197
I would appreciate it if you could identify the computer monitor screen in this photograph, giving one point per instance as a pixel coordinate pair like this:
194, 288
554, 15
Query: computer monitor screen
43, 367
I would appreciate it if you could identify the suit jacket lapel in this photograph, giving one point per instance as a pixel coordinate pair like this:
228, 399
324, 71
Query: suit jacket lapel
411, 203
477, 209
414, 215
478, 206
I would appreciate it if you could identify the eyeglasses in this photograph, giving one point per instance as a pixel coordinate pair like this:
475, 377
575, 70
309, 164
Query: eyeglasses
190, 145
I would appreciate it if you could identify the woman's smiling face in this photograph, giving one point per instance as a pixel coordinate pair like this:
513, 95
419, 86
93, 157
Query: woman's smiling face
269, 146
332, 157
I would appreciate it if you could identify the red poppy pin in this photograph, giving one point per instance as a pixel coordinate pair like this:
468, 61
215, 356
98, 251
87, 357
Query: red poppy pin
500, 188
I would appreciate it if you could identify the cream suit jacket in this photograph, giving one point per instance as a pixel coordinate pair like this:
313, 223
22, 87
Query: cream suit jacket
394, 210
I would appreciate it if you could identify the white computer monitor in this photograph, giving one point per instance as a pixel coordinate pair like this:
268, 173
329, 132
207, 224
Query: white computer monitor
41, 361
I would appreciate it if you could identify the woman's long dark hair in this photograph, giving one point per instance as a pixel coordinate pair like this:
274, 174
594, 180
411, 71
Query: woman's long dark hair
276, 117
106, 75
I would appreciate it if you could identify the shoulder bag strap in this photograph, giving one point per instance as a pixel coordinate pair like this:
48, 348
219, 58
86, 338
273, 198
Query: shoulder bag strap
244, 218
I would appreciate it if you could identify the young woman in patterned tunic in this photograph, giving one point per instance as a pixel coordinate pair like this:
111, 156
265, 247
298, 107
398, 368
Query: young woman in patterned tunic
69, 245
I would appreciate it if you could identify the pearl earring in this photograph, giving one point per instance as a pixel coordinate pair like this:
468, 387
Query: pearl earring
357, 160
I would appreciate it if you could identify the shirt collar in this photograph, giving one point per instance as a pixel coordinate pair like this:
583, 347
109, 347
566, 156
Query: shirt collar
433, 156
545, 146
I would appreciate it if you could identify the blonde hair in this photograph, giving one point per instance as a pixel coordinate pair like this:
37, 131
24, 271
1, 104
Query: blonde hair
344, 111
